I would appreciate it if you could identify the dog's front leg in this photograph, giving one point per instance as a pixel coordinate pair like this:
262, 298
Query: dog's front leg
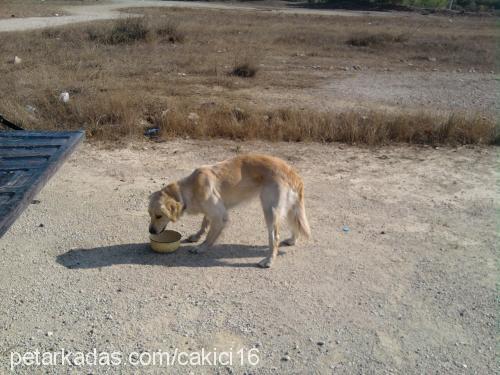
218, 218
204, 225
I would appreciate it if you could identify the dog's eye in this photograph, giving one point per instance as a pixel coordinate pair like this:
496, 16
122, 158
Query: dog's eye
158, 217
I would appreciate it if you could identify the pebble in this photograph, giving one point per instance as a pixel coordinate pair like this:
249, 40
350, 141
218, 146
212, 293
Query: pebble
320, 343
49, 334
285, 358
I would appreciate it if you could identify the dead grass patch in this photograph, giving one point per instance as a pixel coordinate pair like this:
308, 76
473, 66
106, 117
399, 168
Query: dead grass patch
375, 40
370, 128
244, 69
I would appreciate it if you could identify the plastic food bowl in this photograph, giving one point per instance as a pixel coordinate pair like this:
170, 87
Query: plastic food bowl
166, 242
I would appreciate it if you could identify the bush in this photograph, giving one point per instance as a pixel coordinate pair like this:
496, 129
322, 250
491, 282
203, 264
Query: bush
128, 30
245, 68
373, 40
171, 32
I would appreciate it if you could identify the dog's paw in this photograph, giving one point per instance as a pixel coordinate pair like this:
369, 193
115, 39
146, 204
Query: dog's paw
198, 250
193, 238
265, 263
288, 242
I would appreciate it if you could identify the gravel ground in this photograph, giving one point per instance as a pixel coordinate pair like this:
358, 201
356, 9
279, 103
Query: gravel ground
408, 289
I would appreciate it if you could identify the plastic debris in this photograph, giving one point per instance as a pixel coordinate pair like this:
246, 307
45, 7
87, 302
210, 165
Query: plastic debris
346, 229
151, 132
64, 97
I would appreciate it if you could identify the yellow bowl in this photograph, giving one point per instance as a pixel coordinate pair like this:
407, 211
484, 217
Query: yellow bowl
166, 242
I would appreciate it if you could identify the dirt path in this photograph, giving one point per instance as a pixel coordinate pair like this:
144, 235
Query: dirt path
88, 13
440, 92
409, 289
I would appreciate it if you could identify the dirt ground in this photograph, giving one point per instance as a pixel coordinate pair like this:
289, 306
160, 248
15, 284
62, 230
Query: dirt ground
408, 289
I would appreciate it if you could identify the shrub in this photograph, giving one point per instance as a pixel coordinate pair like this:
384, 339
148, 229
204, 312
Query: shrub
128, 30
374, 40
171, 32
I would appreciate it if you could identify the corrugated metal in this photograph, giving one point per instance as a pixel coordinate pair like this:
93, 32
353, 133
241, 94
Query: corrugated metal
27, 161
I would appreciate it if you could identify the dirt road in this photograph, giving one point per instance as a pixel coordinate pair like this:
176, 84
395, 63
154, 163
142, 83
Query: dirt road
86, 13
408, 288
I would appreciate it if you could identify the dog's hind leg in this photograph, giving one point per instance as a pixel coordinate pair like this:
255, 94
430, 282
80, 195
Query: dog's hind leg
293, 227
270, 198
204, 226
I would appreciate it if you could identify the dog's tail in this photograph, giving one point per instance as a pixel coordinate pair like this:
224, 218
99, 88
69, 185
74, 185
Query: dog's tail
298, 214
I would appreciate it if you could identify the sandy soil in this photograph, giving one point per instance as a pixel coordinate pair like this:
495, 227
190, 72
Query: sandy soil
409, 289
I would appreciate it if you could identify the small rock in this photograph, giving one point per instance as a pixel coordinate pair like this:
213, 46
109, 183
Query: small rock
41, 225
49, 334
17, 60
320, 343
433, 59
285, 358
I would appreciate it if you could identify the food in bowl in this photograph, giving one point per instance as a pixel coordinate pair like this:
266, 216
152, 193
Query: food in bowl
166, 242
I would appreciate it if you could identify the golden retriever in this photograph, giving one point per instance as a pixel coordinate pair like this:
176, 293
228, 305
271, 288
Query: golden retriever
213, 189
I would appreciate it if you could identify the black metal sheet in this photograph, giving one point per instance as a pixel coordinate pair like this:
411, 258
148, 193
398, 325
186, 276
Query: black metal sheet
27, 161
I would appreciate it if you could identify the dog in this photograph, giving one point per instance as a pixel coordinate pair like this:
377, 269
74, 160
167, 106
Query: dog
212, 190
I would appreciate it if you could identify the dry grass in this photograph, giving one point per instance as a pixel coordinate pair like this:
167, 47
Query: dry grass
371, 128
245, 68
128, 75
376, 40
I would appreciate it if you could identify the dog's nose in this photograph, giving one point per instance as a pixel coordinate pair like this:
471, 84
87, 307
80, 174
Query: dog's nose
152, 230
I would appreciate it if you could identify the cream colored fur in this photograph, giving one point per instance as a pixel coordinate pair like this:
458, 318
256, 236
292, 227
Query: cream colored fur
213, 189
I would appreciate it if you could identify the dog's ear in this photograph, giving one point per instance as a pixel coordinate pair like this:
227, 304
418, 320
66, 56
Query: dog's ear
173, 210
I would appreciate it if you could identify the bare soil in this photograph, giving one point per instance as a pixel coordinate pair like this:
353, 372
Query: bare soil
409, 288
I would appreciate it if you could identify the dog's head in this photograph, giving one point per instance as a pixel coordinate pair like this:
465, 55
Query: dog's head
163, 208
